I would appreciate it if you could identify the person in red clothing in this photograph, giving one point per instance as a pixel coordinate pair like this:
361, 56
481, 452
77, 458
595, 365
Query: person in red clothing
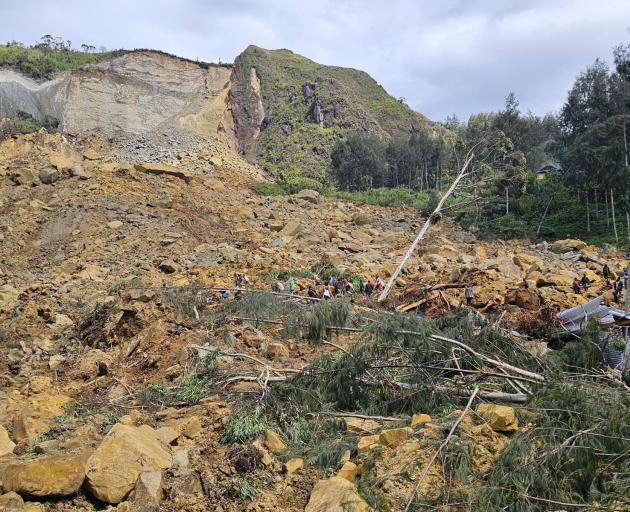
576, 286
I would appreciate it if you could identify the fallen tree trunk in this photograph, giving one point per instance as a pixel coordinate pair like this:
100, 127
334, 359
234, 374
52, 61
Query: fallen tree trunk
495, 362
489, 360
423, 231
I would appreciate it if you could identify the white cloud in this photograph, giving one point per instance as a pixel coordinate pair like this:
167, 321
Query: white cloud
459, 56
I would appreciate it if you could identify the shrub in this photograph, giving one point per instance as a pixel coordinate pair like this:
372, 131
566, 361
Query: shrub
245, 425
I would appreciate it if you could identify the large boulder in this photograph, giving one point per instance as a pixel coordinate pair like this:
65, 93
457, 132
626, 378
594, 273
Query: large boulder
33, 415
335, 495
562, 246
158, 169
53, 475
124, 453
524, 298
394, 437
501, 418
8, 297
527, 261
312, 196
148, 493
555, 280
291, 228
49, 175
275, 444
6, 445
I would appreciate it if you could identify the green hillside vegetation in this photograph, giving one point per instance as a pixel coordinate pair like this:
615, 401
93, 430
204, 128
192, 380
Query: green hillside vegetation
309, 106
42, 62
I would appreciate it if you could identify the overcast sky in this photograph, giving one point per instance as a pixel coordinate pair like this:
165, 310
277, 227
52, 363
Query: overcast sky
443, 56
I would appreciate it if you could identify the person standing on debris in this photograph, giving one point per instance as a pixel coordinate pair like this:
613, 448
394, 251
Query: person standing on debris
468, 293
368, 289
617, 289
312, 293
576, 286
585, 282
606, 272
291, 284
378, 284
326, 293
525, 283
238, 280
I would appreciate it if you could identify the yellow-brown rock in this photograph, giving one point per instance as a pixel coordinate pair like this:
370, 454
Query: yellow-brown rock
126, 451
361, 425
395, 436
53, 475
526, 261
33, 416
366, 443
11, 501
501, 418
293, 465
276, 351
349, 471
6, 445
525, 298
419, 419
561, 246
335, 495
275, 444
148, 492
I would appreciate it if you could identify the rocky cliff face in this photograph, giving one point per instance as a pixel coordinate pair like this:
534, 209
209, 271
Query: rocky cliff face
275, 107
133, 93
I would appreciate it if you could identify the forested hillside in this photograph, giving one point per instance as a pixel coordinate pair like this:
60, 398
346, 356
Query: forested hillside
309, 106
582, 150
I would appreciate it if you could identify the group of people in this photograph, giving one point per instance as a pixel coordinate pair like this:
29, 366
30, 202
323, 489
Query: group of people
332, 287
240, 280
580, 284
583, 284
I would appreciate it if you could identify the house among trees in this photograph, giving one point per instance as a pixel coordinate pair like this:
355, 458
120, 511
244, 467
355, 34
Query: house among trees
549, 166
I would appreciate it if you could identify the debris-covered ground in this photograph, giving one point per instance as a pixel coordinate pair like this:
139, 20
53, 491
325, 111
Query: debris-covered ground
128, 383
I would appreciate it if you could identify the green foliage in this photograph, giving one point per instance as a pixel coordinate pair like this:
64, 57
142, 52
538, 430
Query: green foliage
311, 105
346, 382
185, 299
360, 162
578, 452
579, 352
241, 489
42, 63
245, 425
270, 189
189, 391
391, 197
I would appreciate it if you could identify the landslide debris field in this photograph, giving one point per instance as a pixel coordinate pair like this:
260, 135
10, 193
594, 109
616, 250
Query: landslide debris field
126, 385
129, 381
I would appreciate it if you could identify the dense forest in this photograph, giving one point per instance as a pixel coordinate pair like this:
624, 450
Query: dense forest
562, 174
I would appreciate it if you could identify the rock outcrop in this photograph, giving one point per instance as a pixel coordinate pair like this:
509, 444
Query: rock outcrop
133, 93
55, 475
125, 453
336, 494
